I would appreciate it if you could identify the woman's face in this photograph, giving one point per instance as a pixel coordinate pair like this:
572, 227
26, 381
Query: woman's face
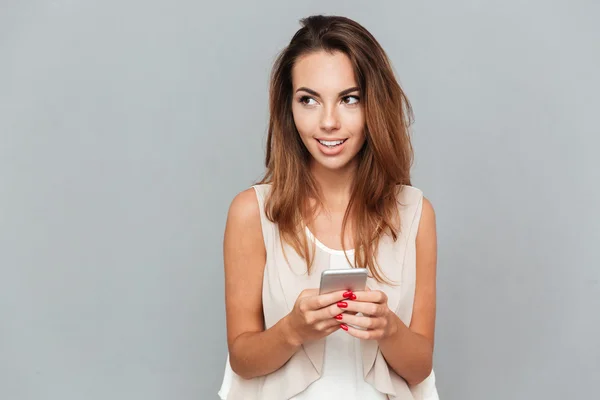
327, 109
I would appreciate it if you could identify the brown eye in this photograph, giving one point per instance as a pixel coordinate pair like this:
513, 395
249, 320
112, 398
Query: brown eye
351, 100
306, 100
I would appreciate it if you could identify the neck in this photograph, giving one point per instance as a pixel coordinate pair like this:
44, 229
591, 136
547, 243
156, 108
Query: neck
335, 185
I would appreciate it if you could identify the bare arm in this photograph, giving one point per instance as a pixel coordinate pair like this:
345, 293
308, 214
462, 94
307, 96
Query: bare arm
409, 351
253, 351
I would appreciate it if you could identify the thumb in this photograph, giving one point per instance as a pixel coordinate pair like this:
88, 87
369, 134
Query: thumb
309, 292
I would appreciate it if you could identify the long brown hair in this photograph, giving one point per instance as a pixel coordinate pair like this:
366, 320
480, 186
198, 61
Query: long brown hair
383, 162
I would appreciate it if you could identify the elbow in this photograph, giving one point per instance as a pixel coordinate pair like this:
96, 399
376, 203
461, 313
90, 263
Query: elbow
421, 373
238, 367
239, 361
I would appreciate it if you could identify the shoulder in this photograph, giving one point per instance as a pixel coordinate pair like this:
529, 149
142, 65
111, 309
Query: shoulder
413, 197
244, 209
427, 213
262, 190
409, 195
427, 224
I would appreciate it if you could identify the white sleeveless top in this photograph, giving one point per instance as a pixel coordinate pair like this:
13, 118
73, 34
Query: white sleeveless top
342, 376
338, 366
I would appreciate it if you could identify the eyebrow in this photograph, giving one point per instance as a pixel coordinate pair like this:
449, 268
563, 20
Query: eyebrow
340, 94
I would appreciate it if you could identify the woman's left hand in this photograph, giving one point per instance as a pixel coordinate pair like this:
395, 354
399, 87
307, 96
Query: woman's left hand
377, 320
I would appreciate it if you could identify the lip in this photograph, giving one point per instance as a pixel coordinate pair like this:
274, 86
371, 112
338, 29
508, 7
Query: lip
330, 139
333, 151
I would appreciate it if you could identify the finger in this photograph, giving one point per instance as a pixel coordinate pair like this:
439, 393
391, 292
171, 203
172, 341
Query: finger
330, 312
361, 321
372, 296
309, 293
326, 324
361, 334
366, 308
324, 300
329, 331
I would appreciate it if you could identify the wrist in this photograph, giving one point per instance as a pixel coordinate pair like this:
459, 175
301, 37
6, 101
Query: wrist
290, 336
394, 326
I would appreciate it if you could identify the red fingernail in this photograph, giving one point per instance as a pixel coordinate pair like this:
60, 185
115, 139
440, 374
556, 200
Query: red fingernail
347, 294
338, 317
353, 297
344, 327
342, 304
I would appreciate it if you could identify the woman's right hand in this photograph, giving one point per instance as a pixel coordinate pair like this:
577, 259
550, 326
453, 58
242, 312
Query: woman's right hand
314, 315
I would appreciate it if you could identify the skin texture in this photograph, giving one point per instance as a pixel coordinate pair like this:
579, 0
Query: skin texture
325, 106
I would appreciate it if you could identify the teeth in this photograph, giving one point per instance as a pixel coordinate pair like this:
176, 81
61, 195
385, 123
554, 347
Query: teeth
331, 143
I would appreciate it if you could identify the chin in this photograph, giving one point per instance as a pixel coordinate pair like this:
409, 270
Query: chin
333, 165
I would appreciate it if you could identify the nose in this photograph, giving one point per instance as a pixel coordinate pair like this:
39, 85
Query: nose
330, 120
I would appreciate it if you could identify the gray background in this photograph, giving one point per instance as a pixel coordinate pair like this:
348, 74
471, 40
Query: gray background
126, 128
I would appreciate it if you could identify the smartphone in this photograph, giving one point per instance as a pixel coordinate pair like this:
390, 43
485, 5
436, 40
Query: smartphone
353, 279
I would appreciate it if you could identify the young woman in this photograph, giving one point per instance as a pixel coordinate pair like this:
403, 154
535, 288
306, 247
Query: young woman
336, 194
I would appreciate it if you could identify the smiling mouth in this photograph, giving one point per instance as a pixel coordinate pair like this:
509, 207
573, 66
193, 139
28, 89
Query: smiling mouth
331, 143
